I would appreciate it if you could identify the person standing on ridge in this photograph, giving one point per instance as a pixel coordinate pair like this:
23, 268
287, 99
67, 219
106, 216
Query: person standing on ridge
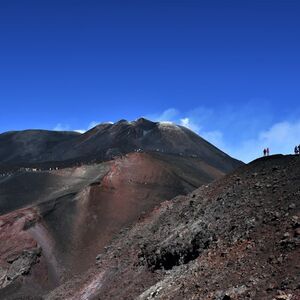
299, 149
296, 150
265, 152
268, 152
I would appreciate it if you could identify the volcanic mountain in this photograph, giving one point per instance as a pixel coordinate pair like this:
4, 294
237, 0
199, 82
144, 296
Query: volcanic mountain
65, 196
106, 141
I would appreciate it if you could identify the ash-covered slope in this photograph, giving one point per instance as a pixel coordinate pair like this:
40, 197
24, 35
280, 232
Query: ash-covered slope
18, 147
106, 141
237, 238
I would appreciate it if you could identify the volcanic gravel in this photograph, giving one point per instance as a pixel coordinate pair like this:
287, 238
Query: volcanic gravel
237, 238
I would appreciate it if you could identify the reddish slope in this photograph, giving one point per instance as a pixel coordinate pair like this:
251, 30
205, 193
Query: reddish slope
63, 235
237, 238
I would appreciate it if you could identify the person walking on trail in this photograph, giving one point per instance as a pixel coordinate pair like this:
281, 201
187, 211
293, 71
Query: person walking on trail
268, 152
296, 150
265, 152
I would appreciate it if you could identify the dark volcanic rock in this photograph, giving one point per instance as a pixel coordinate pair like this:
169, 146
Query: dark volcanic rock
26, 146
227, 240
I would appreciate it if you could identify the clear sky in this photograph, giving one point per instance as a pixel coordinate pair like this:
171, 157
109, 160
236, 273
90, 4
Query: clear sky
229, 70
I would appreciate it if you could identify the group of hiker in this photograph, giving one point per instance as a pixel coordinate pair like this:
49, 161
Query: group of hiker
266, 152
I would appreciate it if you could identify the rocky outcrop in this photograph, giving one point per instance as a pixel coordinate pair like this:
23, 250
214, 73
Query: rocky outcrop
20, 265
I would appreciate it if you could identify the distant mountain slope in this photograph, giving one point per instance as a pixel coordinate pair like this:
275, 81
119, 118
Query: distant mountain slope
26, 146
106, 141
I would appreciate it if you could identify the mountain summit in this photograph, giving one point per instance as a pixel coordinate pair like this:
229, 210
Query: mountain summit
105, 141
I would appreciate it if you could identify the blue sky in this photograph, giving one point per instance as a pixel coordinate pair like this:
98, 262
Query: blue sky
229, 70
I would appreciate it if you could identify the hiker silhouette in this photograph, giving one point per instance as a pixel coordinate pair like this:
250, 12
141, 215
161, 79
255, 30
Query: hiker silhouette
265, 152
